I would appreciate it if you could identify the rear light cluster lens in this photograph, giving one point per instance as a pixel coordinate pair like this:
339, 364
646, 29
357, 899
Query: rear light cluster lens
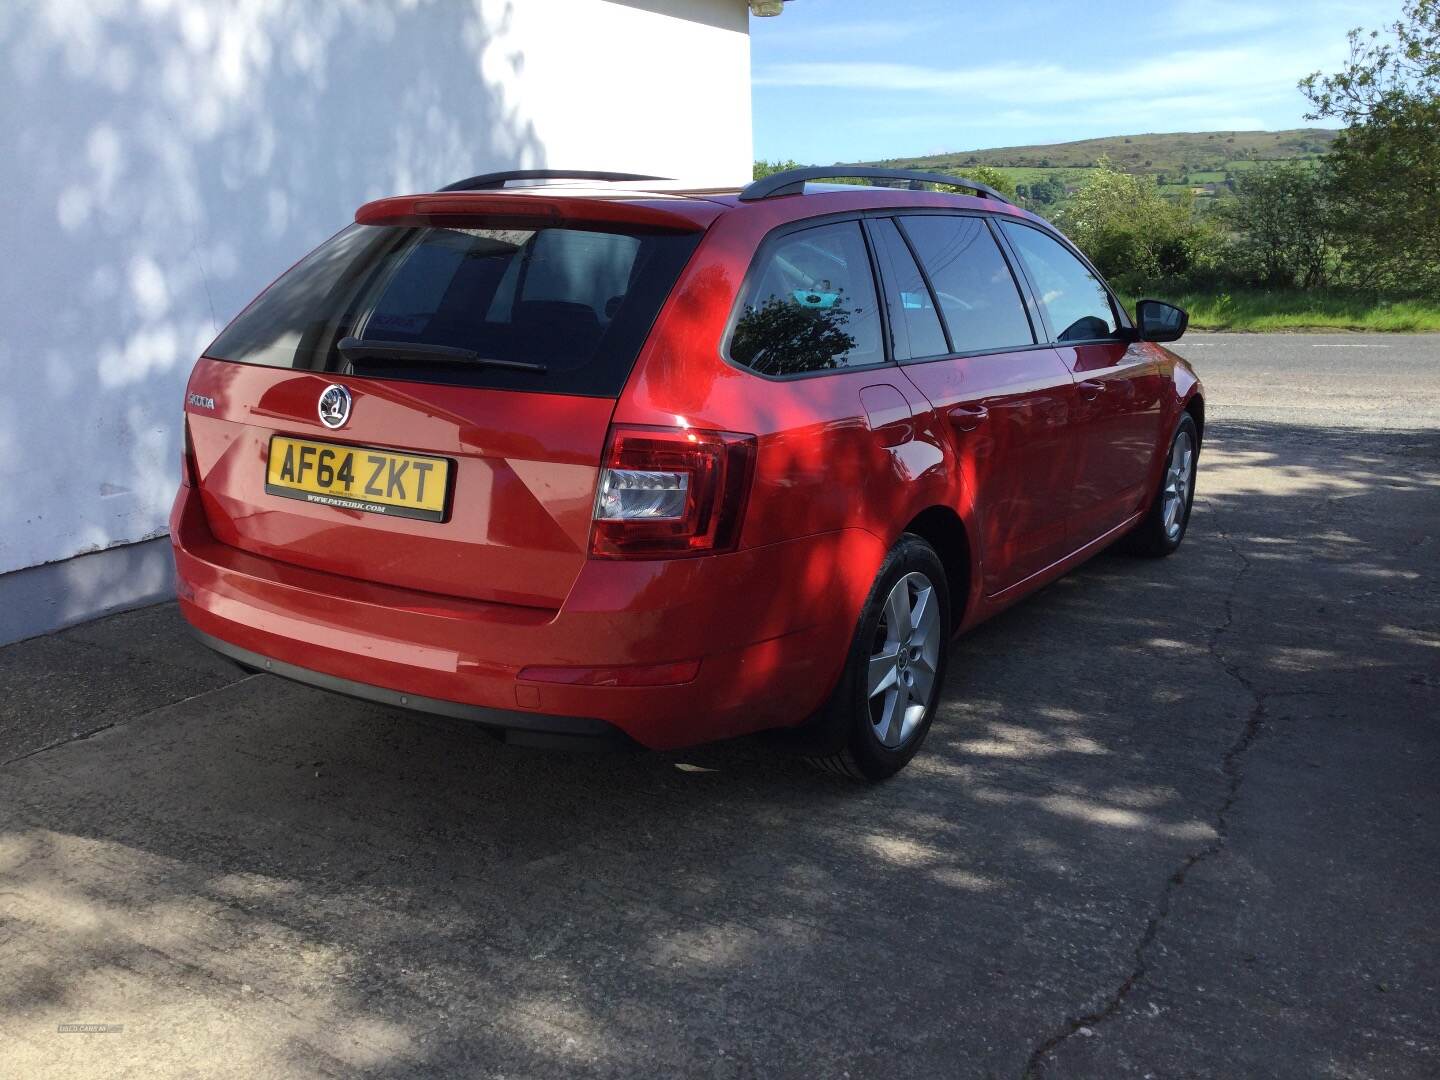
635, 495
667, 492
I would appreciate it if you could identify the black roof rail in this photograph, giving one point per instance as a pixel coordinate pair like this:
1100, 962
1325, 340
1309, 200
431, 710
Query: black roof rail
490, 181
792, 181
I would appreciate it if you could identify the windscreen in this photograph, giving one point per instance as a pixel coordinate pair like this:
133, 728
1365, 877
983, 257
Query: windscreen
567, 307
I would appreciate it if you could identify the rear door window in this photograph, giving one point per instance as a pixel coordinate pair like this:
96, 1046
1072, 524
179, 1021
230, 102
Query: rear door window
810, 305
1076, 302
914, 323
578, 302
974, 287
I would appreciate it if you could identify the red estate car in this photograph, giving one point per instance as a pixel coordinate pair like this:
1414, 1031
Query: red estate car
599, 458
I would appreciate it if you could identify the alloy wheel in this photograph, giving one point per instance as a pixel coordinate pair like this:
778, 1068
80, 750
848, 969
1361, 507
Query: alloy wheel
1179, 476
904, 659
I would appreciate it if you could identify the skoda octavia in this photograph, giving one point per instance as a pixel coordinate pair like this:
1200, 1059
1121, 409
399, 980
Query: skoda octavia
601, 457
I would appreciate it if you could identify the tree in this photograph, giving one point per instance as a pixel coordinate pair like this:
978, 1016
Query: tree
1281, 215
994, 178
1384, 168
1378, 71
764, 168
1047, 191
1132, 232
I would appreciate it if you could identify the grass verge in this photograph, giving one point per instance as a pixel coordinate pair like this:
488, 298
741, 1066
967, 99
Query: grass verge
1300, 310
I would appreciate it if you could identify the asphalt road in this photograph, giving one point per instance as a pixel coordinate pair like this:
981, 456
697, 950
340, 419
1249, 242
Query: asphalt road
1325, 380
1177, 819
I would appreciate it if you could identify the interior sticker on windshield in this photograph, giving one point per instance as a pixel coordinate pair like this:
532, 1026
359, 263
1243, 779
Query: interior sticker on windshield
806, 298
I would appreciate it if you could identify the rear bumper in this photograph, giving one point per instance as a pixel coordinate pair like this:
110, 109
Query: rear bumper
769, 626
520, 726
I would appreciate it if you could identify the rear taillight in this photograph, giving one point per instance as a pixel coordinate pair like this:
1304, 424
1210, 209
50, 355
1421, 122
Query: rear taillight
667, 492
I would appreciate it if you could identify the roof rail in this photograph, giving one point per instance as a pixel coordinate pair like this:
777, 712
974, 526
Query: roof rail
792, 181
490, 181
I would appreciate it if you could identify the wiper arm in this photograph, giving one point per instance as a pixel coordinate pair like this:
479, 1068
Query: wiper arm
353, 348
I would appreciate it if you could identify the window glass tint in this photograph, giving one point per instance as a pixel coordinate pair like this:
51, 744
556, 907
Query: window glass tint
976, 291
1075, 301
810, 305
295, 309
577, 301
914, 323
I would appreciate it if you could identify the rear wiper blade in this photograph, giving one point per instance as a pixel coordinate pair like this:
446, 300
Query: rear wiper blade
352, 348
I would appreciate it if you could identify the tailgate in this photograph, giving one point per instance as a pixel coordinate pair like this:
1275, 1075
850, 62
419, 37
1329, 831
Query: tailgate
515, 513
423, 400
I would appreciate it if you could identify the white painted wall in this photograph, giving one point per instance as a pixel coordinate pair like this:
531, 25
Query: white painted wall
162, 160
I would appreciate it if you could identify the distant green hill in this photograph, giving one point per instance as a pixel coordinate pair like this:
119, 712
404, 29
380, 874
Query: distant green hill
1182, 151
1184, 163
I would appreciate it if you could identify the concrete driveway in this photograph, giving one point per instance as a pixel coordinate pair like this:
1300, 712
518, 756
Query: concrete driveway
1177, 818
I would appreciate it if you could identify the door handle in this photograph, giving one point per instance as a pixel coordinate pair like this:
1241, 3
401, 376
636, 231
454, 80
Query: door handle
969, 417
1090, 389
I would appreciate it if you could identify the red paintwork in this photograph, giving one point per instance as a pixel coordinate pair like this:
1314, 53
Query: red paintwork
525, 470
1039, 467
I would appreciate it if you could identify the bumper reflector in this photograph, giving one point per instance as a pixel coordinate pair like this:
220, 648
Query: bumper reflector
682, 671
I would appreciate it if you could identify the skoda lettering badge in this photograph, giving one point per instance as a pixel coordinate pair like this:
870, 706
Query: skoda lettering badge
334, 406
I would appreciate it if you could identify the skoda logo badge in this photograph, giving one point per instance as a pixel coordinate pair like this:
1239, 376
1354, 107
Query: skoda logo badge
334, 406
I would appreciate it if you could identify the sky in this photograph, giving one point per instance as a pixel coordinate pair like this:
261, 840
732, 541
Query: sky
848, 80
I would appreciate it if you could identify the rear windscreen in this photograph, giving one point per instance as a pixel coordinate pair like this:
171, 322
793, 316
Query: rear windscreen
576, 301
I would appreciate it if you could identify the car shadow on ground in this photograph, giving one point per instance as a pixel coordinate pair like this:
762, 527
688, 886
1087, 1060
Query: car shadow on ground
313, 884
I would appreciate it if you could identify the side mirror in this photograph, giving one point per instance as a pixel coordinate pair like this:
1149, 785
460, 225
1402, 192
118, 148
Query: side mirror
1156, 320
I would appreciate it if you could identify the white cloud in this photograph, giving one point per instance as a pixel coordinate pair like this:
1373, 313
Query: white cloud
1177, 65
1219, 68
1189, 18
1207, 18
1231, 82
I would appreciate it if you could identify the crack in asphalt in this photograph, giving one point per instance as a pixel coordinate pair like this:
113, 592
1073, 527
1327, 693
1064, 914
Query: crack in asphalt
90, 733
1230, 761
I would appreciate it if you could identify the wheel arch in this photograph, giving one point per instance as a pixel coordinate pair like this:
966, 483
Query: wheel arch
1195, 406
944, 530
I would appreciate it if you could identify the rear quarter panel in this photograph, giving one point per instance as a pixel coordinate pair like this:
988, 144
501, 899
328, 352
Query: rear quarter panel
820, 468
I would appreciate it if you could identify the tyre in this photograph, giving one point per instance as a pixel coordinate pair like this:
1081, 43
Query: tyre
881, 709
1163, 528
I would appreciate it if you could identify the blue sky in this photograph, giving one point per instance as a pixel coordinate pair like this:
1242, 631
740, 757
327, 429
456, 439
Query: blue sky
841, 80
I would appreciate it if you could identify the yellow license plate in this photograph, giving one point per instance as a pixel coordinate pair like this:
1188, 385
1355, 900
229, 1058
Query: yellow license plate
358, 478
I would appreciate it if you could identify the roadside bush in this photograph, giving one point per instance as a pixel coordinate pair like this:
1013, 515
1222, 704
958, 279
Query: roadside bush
1281, 219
